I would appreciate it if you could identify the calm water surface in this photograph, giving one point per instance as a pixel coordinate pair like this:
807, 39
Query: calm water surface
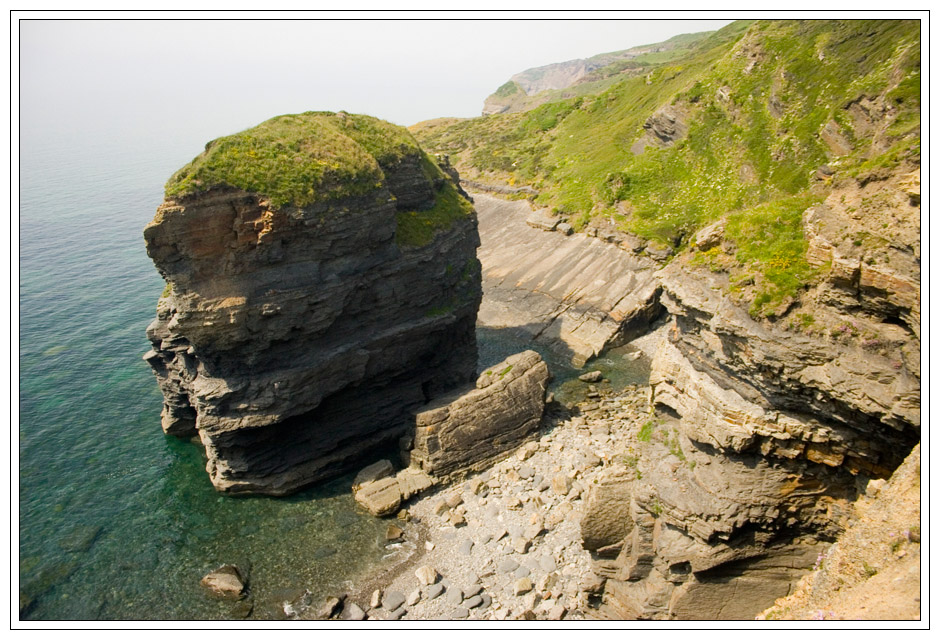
116, 520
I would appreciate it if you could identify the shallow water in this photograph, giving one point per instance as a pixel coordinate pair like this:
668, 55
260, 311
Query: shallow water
116, 520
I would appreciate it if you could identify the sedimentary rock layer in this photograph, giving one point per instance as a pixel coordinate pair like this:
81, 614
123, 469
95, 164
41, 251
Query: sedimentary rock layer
576, 294
471, 428
295, 338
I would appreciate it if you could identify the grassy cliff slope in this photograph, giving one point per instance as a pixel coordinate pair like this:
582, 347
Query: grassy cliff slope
749, 128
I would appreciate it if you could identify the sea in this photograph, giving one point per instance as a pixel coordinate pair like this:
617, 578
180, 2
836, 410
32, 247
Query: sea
117, 521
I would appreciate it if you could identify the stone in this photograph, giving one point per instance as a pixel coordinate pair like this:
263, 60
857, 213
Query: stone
440, 507
352, 611
454, 595
531, 600
412, 481
547, 563
413, 598
428, 545
460, 613
375, 471
473, 602
507, 565
710, 236
591, 376
80, 538
380, 497
457, 520
309, 326
526, 472
393, 532
564, 228
376, 600
472, 590
225, 582
454, 500
547, 582
486, 600
521, 572
329, 608
469, 429
521, 586
392, 600
466, 547
542, 219
426, 575
521, 545
435, 590
557, 612
561, 484
533, 531
397, 614
514, 504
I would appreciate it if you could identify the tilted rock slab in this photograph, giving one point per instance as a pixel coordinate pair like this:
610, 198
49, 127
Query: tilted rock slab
294, 339
576, 294
469, 429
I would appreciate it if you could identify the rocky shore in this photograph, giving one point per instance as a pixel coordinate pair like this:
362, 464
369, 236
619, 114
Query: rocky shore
506, 543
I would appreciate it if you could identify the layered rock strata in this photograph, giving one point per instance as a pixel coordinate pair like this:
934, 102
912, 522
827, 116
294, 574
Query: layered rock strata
575, 294
295, 337
471, 428
761, 439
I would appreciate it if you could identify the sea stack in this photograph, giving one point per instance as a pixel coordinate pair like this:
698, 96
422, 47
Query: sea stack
322, 284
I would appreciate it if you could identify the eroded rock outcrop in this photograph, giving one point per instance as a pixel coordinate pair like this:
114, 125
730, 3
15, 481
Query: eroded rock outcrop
322, 285
762, 437
469, 429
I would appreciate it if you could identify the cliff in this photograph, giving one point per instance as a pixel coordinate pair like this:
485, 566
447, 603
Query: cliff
322, 283
768, 186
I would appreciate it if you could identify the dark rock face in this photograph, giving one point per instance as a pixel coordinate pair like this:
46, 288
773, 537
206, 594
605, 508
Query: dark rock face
295, 339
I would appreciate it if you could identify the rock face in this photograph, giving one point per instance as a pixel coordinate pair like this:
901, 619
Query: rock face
468, 429
575, 294
295, 337
761, 439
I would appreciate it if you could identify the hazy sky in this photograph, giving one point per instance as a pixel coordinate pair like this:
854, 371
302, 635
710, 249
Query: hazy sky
223, 76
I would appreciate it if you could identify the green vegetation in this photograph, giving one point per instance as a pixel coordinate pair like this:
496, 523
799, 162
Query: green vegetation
646, 431
760, 106
299, 159
167, 290
673, 445
502, 374
417, 228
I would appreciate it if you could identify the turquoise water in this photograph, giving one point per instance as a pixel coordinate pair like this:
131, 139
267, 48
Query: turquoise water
116, 520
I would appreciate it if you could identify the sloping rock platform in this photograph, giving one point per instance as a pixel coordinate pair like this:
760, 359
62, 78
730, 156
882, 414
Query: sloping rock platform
575, 294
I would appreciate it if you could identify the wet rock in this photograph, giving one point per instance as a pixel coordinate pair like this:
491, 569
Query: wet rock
591, 376
225, 582
393, 533
80, 539
329, 608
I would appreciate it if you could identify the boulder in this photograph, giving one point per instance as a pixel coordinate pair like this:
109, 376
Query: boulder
380, 497
469, 429
225, 582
